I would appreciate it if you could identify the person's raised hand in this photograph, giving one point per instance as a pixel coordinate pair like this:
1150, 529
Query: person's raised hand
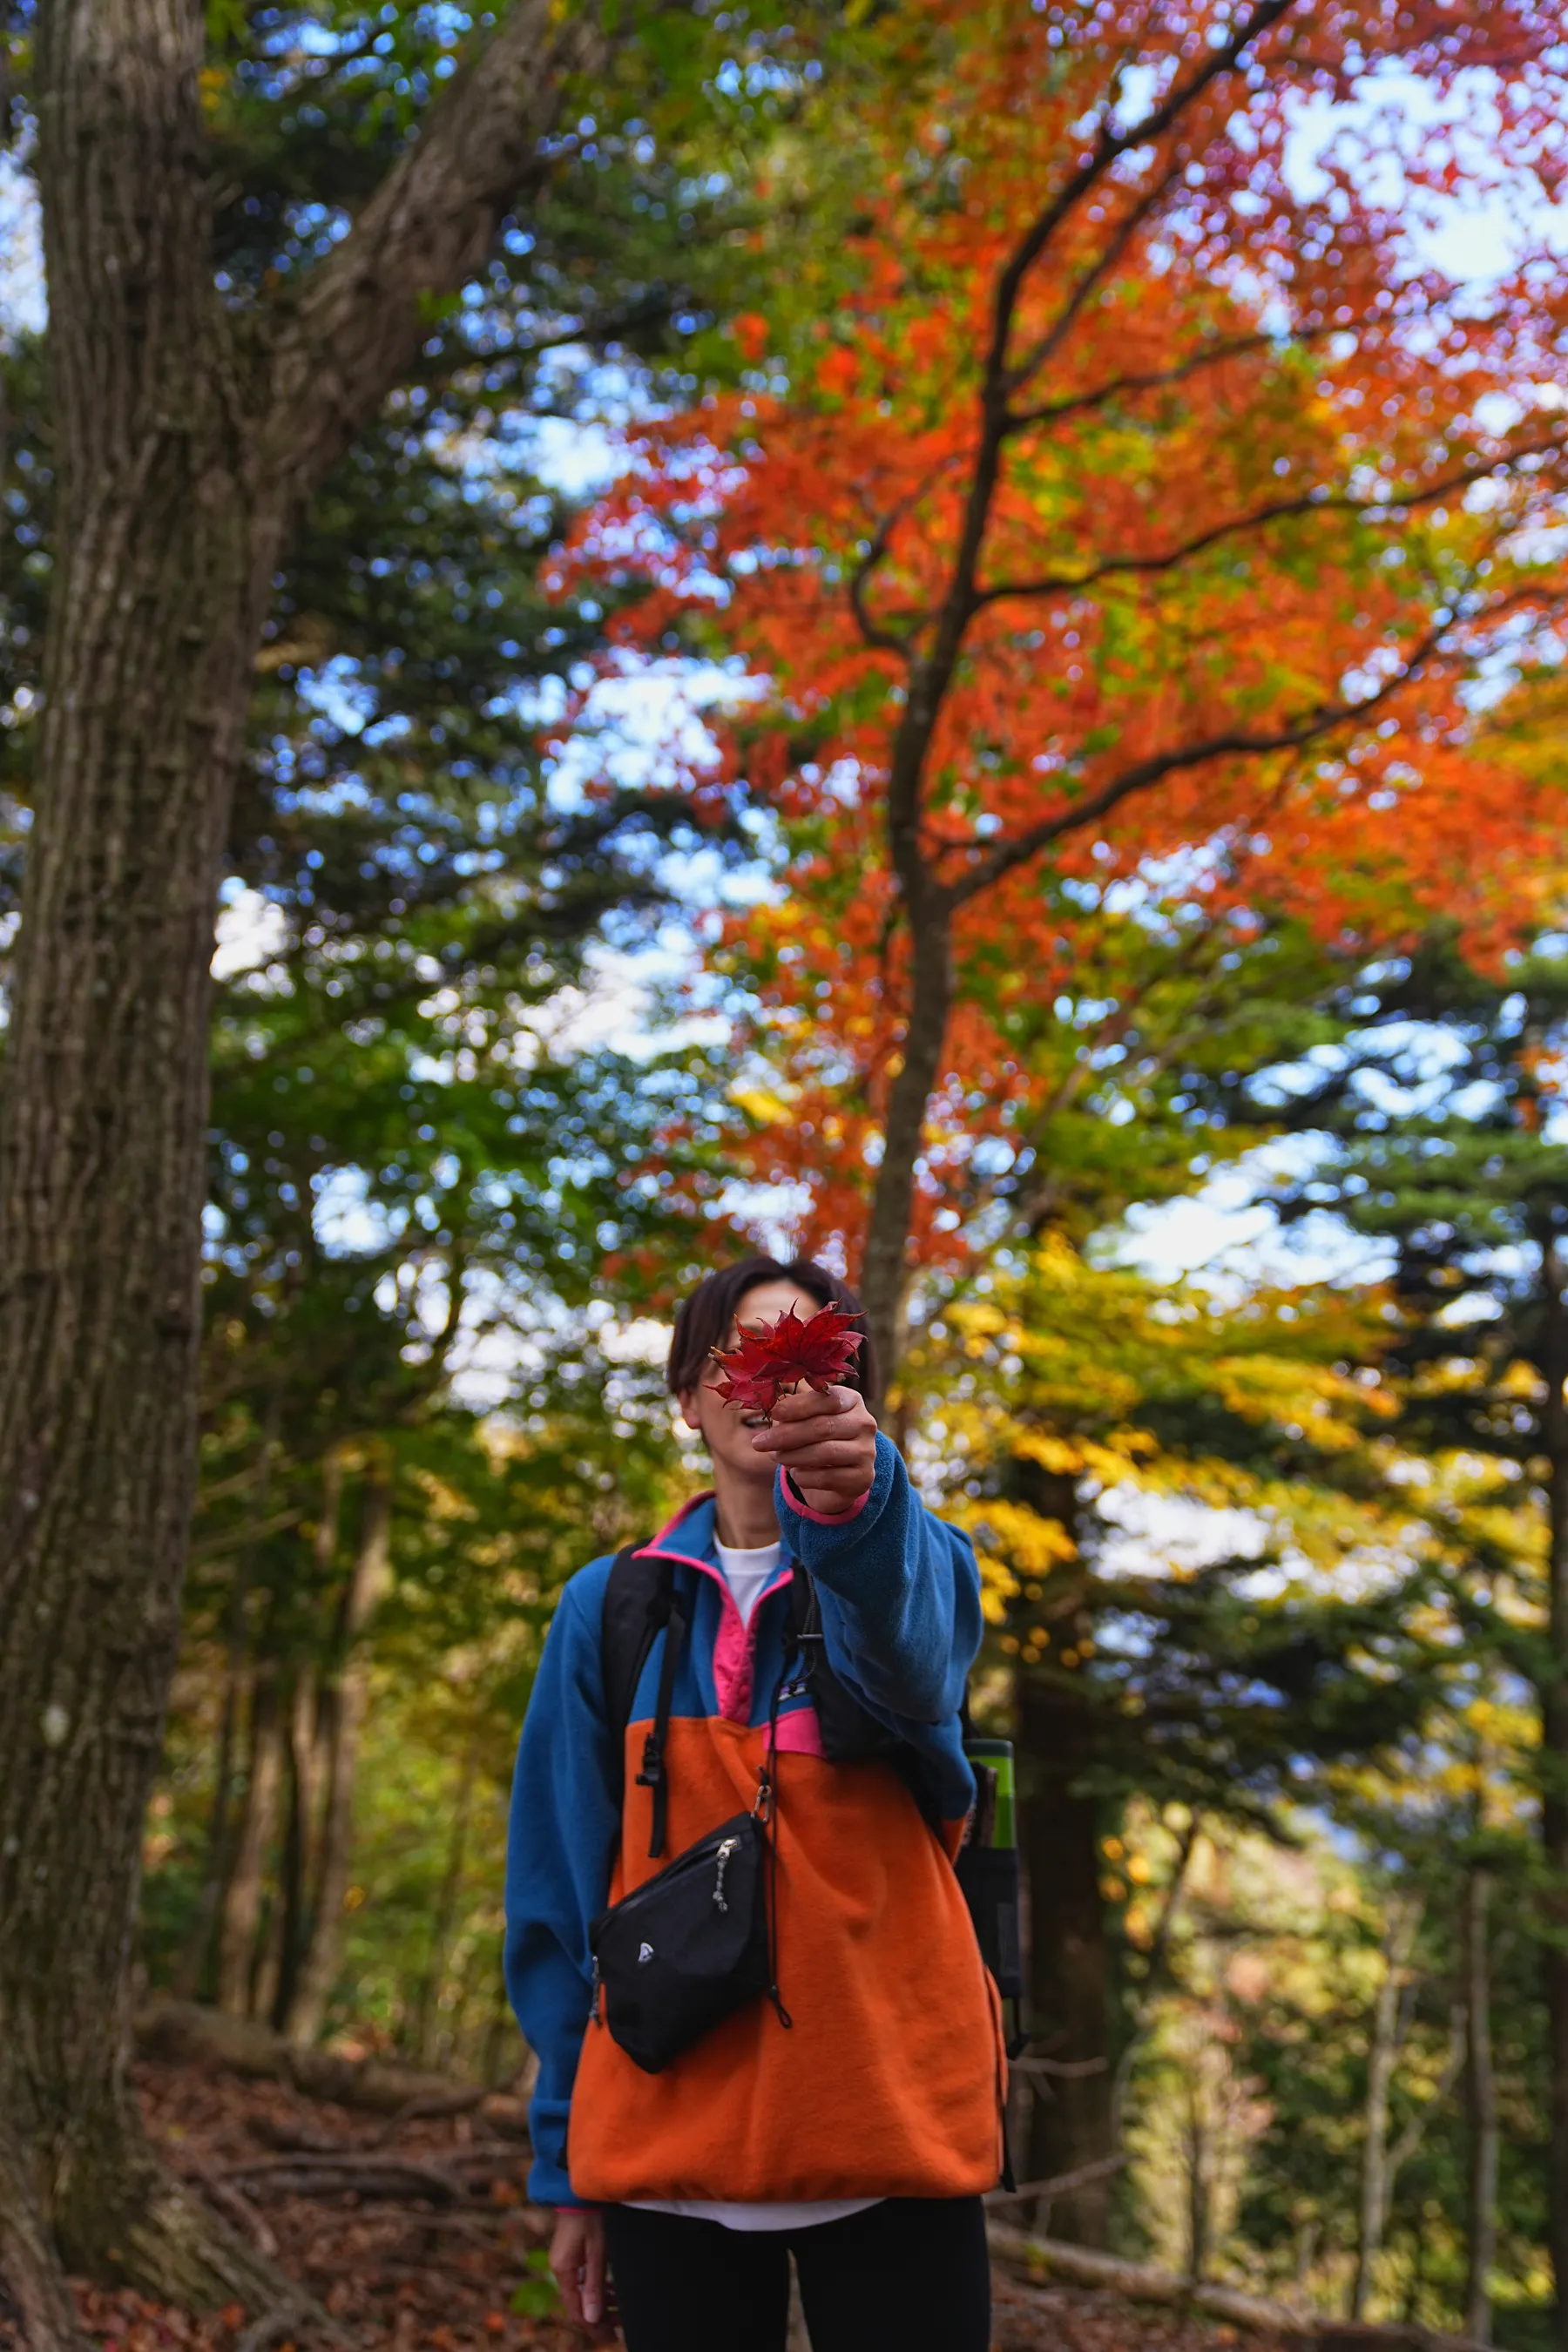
577, 2265
827, 1444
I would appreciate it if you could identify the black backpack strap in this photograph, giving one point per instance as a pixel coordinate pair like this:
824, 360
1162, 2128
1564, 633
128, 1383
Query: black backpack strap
636, 1604
653, 1775
641, 1601
803, 1626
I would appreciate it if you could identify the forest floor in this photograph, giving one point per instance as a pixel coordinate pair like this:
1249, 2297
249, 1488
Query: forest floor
416, 2233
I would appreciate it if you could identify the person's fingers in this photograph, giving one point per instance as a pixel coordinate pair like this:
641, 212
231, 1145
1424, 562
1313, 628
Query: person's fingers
569, 2287
593, 2274
852, 1462
791, 1436
814, 1404
566, 2249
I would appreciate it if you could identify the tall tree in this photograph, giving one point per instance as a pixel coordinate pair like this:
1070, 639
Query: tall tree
1443, 1126
1118, 502
220, 334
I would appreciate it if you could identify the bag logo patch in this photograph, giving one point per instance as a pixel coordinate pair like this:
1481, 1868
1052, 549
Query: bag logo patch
645, 1952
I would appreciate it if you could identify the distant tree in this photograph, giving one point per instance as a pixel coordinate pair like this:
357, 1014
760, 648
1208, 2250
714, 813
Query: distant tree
1443, 1143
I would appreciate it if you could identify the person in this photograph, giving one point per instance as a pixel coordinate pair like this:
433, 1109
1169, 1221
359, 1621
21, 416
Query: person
861, 2136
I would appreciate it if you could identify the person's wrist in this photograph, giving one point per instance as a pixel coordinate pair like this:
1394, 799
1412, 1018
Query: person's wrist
827, 1502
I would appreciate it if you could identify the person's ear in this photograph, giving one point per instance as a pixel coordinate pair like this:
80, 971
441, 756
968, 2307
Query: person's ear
688, 1412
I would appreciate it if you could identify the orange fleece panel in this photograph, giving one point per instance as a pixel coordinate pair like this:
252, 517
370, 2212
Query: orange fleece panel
889, 2083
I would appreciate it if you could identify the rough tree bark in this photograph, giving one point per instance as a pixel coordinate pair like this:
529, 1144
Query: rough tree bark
186, 439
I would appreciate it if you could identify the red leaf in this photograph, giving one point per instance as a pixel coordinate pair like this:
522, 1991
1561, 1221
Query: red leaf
776, 1357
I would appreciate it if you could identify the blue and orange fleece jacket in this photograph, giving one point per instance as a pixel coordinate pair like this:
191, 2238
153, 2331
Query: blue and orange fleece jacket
890, 2081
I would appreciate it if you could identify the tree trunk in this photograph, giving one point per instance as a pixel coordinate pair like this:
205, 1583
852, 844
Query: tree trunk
1383, 2056
345, 1706
1553, 1699
300, 1865
196, 1948
258, 1825
186, 438
1069, 1969
885, 1270
300, 1855
1482, 2097
1072, 2115
1195, 2157
214, 1875
157, 597
429, 2003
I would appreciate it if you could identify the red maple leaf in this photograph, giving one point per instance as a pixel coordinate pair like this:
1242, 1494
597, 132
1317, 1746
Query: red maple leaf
773, 1357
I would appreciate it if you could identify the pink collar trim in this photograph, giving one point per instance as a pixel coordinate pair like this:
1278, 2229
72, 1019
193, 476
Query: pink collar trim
735, 1644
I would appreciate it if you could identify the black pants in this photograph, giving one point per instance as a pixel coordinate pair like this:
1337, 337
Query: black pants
912, 2274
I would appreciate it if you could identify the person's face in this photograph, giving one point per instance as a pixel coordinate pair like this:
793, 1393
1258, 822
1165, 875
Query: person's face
726, 1432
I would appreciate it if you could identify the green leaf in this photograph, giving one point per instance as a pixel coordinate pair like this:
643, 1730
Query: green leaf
538, 2296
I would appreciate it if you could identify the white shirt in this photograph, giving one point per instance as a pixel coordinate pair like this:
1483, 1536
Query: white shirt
747, 1574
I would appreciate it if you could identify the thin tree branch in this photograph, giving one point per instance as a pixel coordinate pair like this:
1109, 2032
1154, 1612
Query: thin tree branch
1109, 149
250, 1533
1313, 501
1234, 742
1415, 2131
447, 366
1105, 261
886, 640
1076, 404
1081, 2177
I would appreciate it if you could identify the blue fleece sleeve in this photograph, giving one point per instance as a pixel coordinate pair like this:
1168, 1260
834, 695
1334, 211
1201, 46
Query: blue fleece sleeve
899, 1593
559, 1850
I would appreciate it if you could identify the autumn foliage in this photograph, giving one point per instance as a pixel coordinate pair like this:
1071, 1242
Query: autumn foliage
771, 1359
1127, 508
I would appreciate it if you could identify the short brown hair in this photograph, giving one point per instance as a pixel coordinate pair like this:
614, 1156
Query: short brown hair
705, 1317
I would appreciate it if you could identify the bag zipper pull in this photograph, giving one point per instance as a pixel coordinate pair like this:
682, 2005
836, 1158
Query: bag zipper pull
594, 2011
722, 1859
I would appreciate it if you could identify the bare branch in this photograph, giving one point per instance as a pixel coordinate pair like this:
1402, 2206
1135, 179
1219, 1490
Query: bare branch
1415, 2131
1060, 2183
